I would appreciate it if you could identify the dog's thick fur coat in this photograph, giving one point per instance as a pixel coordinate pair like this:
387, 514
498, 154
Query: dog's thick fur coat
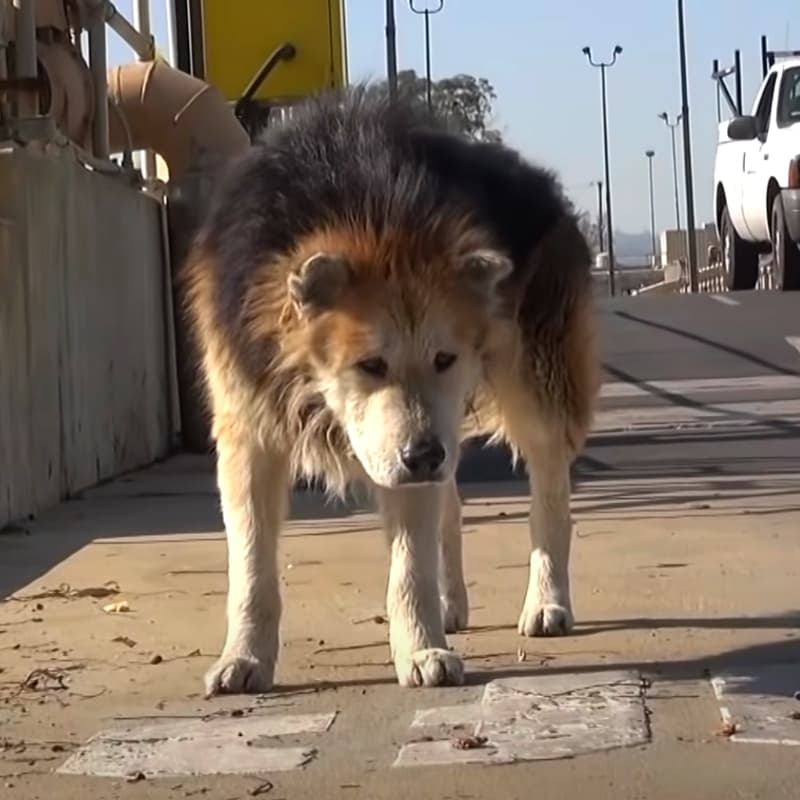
368, 290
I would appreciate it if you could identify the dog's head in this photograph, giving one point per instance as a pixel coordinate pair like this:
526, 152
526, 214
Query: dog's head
395, 348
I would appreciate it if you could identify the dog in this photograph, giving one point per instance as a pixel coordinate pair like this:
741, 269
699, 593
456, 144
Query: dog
370, 289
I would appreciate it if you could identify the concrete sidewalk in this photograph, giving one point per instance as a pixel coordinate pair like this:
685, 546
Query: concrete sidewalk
677, 583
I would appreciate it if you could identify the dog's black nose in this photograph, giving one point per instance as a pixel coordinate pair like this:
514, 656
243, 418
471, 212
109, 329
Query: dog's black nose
423, 458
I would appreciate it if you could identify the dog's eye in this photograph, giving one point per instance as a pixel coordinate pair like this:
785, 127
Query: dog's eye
443, 361
375, 367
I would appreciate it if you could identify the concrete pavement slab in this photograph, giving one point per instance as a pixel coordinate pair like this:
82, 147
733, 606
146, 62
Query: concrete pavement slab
675, 580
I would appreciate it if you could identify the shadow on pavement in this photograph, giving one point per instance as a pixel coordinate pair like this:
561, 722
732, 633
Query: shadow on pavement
783, 651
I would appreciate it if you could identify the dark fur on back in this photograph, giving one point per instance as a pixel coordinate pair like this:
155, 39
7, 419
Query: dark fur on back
356, 157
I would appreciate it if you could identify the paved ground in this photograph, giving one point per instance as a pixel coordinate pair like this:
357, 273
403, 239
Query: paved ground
685, 577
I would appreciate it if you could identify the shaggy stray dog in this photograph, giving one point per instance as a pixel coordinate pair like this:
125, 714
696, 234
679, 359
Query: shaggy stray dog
370, 289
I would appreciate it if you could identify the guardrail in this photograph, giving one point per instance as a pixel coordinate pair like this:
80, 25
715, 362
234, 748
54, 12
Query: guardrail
710, 278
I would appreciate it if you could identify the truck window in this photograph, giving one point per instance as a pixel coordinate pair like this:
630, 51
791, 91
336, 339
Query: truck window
765, 105
789, 100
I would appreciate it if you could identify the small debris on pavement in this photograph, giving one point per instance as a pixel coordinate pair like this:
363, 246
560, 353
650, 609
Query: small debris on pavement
521, 655
135, 777
795, 715
120, 607
126, 640
262, 788
156, 659
65, 591
728, 729
378, 619
469, 742
40, 680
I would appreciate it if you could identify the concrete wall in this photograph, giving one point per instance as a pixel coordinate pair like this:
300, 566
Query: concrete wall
673, 246
84, 370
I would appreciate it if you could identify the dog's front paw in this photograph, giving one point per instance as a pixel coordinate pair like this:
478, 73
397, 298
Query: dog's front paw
545, 619
431, 667
240, 673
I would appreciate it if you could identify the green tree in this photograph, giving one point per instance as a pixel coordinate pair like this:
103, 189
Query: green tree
465, 101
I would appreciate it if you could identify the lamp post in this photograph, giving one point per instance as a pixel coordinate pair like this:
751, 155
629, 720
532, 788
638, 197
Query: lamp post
650, 156
687, 154
427, 12
673, 126
604, 65
599, 185
391, 50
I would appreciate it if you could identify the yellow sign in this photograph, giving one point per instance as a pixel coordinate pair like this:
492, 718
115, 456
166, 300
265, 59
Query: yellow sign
240, 35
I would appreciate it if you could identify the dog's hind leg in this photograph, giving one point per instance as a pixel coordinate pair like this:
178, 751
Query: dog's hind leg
547, 610
545, 404
253, 483
413, 518
453, 590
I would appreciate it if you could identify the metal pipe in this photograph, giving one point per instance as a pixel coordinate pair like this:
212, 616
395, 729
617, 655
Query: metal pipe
197, 38
139, 41
4, 10
25, 25
98, 67
183, 45
687, 155
391, 50
141, 21
172, 35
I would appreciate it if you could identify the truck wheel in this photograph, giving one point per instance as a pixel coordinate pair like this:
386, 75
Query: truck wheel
739, 257
785, 252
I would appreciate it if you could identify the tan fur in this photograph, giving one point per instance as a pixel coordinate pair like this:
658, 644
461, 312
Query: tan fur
381, 264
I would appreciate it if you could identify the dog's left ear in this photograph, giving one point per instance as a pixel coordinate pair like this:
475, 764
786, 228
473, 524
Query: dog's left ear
484, 270
319, 282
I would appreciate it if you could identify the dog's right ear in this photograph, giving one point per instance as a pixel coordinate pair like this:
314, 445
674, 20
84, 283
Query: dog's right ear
319, 282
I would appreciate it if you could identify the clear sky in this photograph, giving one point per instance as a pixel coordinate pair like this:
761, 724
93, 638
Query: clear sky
548, 102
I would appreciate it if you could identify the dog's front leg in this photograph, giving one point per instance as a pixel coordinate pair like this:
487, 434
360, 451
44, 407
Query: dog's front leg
413, 518
253, 484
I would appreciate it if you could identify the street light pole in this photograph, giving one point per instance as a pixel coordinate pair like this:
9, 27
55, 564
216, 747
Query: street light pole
603, 65
672, 130
691, 240
427, 13
600, 237
391, 50
650, 155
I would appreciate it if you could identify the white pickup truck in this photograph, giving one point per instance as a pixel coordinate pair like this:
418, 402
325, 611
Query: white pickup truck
757, 183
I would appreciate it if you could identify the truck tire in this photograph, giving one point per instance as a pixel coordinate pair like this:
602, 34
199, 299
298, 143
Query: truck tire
785, 252
739, 257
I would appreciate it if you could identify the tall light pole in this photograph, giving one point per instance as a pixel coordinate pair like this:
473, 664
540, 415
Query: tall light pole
427, 12
687, 155
672, 129
391, 50
604, 65
599, 185
650, 155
